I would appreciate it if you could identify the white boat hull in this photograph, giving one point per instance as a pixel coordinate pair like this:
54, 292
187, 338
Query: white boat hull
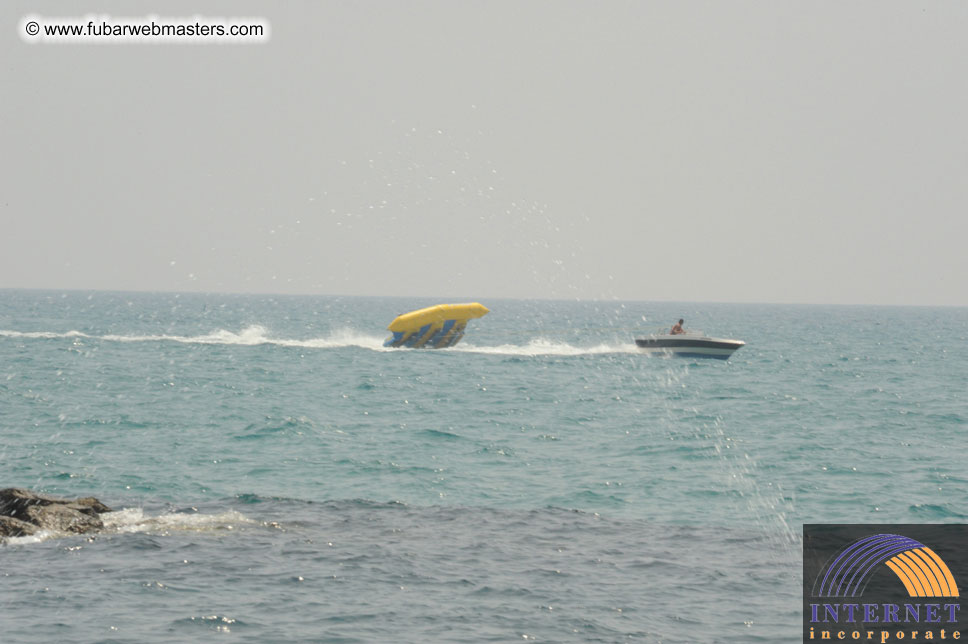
689, 346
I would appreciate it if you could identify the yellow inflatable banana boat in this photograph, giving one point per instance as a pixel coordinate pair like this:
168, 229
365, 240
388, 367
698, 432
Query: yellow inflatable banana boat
433, 327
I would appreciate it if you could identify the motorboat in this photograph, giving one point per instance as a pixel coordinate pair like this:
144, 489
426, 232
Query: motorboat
691, 344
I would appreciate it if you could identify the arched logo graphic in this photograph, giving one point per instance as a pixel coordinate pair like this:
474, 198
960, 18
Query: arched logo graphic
922, 572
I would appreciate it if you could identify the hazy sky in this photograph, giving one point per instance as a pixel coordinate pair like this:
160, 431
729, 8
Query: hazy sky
723, 151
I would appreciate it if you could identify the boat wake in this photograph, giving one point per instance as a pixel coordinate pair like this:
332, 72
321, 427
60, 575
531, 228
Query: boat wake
250, 336
545, 347
257, 335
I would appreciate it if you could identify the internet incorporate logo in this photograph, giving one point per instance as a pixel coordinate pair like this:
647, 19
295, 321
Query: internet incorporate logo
922, 572
863, 583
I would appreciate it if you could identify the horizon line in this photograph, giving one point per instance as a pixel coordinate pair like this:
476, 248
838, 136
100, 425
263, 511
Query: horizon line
474, 298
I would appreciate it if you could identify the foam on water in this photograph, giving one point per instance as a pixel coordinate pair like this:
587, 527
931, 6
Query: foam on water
250, 336
131, 520
546, 347
37, 537
134, 520
256, 335
42, 335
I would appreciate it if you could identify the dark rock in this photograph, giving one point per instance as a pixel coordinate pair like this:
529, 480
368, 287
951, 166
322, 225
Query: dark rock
23, 512
62, 518
10, 527
90, 505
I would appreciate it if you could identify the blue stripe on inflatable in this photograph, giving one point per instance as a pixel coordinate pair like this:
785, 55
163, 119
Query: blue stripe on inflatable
413, 339
440, 339
394, 340
458, 333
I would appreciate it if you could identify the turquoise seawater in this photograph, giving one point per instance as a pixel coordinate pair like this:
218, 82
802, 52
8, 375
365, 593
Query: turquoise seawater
279, 476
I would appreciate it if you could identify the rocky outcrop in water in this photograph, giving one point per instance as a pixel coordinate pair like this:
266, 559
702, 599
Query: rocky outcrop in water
23, 513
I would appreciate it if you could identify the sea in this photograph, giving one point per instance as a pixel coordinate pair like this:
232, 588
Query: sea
277, 475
